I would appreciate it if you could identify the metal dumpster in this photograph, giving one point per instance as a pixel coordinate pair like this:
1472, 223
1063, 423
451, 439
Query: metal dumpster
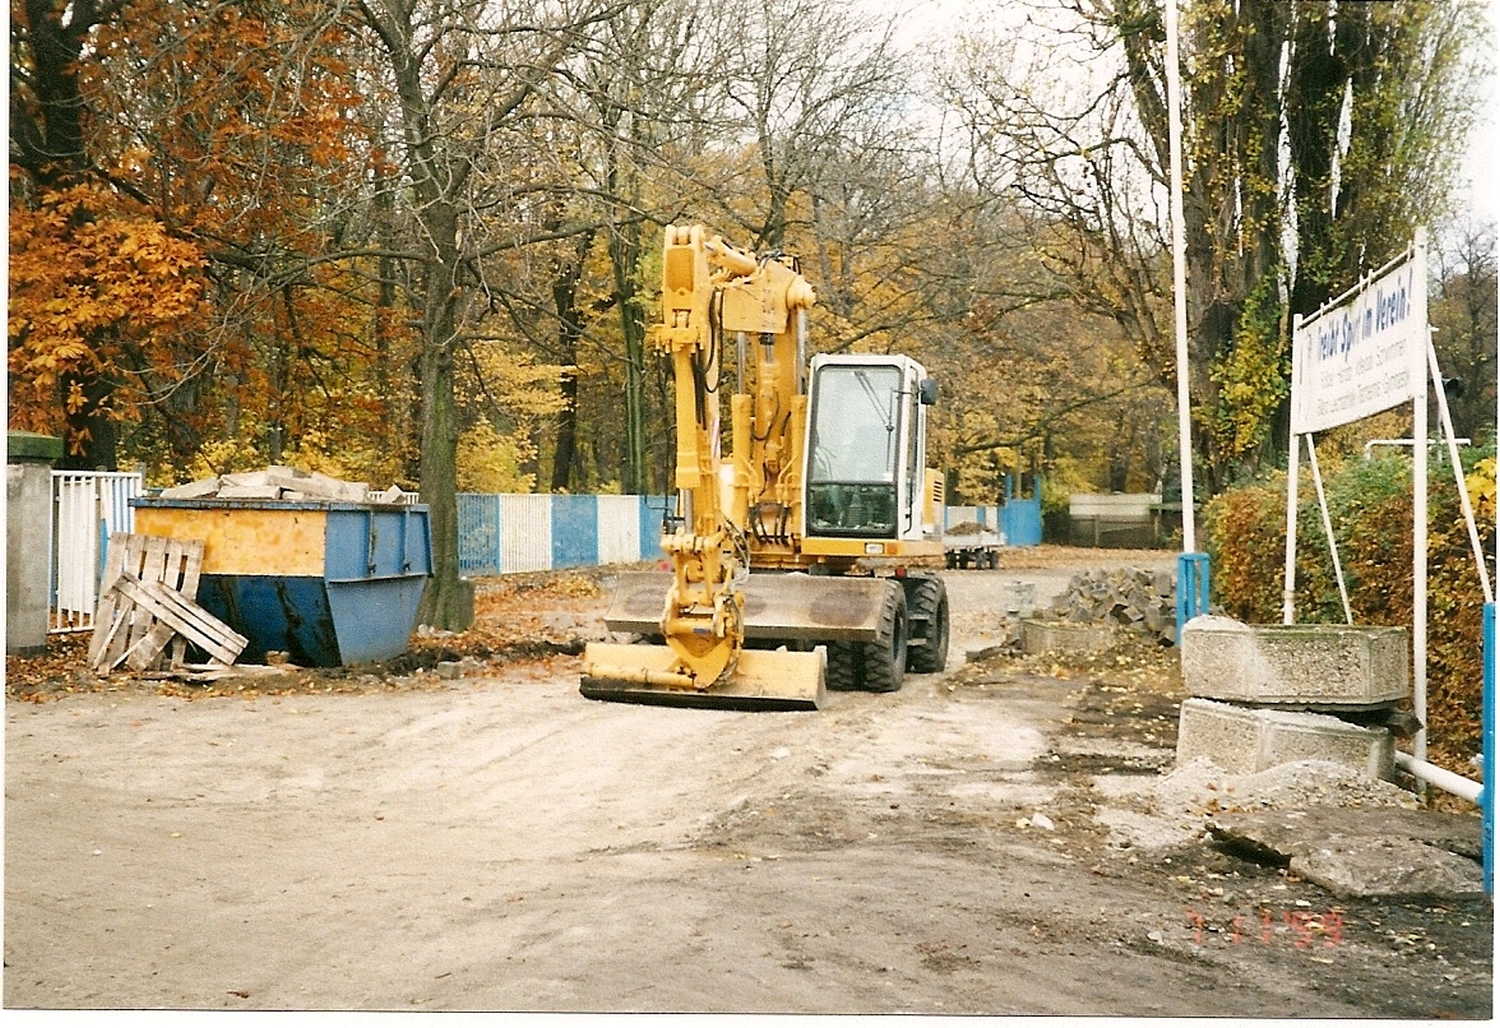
326, 582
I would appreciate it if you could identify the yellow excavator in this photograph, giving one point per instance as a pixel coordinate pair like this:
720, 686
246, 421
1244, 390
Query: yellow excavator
804, 560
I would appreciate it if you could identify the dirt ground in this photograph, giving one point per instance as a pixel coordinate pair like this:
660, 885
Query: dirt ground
385, 839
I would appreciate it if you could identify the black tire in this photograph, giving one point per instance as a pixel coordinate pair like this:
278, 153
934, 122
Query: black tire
843, 667
929, 602
883, 662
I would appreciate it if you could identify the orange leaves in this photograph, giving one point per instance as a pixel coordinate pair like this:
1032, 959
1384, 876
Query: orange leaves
89, 276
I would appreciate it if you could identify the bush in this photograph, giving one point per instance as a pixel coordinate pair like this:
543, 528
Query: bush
1370, 508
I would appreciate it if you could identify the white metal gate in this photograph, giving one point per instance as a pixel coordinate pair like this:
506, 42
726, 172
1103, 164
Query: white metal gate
86, 507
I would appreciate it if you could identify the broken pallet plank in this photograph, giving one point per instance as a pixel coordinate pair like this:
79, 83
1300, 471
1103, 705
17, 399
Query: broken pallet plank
106, 623
146, 560
192, 569
201, 628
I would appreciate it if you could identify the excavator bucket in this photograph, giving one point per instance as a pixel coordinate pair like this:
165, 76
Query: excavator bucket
761, 679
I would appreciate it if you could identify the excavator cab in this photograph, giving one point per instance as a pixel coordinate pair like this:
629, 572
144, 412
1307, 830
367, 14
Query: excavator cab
867, 432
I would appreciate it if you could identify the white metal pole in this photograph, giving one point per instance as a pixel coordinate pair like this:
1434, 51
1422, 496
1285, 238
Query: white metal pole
1289, 583
1179, 280
1419, 528
1289, 576
1333, 544
1445, 417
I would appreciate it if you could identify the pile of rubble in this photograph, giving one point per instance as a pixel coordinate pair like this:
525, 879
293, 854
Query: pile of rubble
1143, 601
283, 483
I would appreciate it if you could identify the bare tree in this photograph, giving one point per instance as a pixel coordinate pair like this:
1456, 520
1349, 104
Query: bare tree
461, 72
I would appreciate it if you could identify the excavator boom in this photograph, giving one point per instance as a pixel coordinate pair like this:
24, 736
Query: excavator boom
709, 287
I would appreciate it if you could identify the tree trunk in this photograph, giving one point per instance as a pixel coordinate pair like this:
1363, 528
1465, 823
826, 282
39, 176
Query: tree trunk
624, 253
449, 601
569, 330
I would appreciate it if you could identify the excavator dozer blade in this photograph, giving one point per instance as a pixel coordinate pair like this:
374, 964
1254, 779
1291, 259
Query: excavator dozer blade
761, 680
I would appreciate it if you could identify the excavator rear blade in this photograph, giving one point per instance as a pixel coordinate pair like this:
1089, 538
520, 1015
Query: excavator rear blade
761, 680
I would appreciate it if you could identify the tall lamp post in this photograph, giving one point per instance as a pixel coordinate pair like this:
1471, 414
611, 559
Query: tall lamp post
1192, 566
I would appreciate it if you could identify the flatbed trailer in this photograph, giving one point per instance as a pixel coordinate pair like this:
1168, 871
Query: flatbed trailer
979, 550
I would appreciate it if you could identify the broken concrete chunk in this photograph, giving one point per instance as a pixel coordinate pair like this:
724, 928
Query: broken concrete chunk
1363, 851
249, 492
320, 486
192, 490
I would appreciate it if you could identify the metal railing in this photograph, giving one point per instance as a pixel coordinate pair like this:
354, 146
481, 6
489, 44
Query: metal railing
86, 507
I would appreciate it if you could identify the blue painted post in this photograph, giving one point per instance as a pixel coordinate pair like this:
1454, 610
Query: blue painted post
1192, 588
1487, 721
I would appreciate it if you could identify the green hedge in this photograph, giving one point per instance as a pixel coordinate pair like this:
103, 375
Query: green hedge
1370, 506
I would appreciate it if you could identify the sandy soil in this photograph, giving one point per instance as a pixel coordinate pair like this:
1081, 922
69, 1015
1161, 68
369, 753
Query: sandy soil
497, 842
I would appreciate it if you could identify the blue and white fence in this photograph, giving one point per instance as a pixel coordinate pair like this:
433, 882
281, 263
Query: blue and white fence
504, 533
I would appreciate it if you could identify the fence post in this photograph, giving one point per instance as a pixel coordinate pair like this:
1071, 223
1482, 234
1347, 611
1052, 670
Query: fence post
1192, 588
1487, 722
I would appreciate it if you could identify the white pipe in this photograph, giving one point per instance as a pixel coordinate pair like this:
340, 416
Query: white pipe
1419, 516
1444, 779
1179, 280
1371, 444
1289, 582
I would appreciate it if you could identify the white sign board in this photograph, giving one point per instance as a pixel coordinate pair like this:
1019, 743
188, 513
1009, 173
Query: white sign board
1364, 355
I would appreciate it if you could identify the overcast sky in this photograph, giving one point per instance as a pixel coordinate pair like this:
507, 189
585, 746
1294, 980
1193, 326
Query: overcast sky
1484, 151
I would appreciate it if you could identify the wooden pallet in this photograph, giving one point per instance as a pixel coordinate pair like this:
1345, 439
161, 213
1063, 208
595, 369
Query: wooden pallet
147, 605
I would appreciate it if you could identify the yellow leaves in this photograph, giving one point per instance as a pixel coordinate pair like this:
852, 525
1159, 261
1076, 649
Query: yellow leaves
489, 462
76, 401
1481, 486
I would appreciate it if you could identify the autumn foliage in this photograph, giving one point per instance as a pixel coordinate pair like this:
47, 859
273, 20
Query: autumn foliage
98, 290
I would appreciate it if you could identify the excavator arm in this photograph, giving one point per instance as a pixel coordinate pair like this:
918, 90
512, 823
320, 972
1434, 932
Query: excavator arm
709, 290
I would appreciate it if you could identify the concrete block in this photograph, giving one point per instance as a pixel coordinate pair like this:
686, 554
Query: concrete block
1322, 667
1020, 598
1060, 637
1244, 740
203, 487
249, 492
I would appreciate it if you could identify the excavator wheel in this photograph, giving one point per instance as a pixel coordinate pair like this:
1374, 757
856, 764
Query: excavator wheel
843, 666
884, 660
875, 666
929, 603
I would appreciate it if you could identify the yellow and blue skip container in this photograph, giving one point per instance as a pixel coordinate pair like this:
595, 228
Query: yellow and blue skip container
328, 583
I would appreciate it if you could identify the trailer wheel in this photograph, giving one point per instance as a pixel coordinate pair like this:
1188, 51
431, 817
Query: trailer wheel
883, 662
929, 602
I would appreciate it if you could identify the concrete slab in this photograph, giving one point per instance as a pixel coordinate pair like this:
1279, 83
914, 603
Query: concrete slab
1384, 851
1323, 667
1063, 637
1244, 740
